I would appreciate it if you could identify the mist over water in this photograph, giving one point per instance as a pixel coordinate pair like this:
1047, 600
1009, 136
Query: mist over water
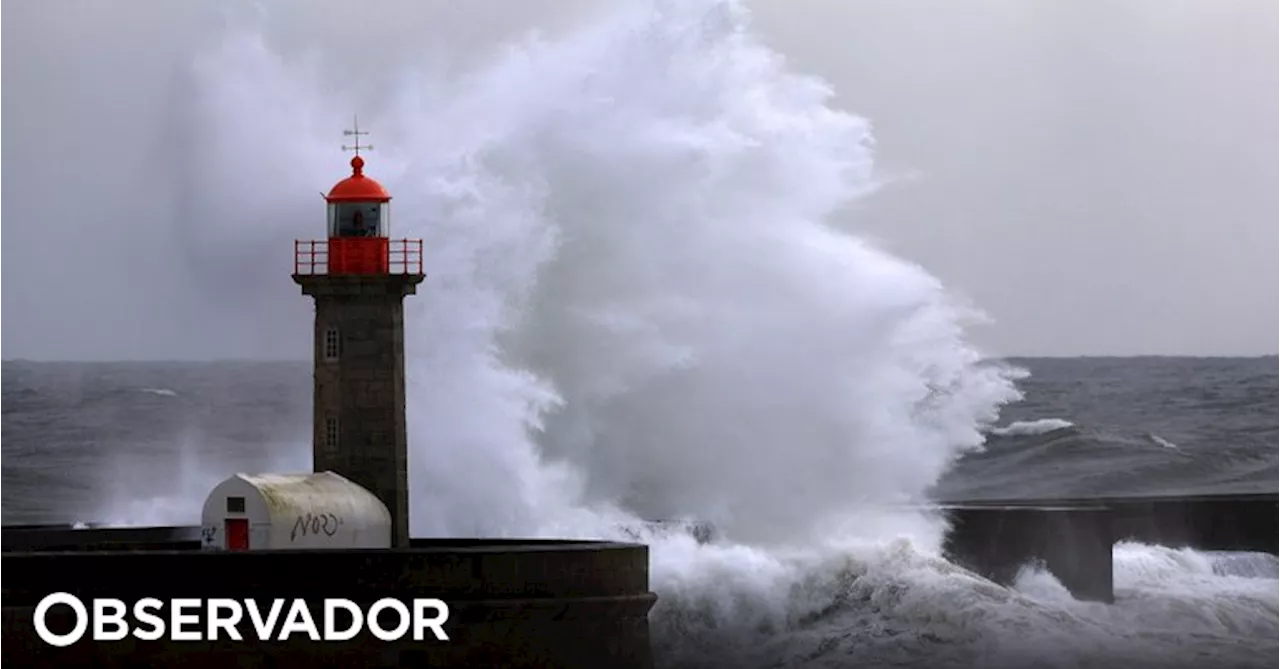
636, 308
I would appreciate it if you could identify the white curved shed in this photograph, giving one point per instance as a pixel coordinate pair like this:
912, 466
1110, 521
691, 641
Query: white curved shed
293, 511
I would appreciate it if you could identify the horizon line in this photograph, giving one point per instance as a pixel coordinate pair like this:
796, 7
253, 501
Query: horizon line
1043, 356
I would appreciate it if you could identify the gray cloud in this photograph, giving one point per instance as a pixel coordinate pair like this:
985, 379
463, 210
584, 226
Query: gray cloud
1100, 179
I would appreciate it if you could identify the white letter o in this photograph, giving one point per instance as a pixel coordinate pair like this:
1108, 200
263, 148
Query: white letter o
61, 640
371, 619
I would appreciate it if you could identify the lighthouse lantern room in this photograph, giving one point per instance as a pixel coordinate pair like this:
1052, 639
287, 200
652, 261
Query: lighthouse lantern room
359, 217
359, 278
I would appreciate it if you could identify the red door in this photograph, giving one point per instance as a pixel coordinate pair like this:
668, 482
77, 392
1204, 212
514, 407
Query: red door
237, 534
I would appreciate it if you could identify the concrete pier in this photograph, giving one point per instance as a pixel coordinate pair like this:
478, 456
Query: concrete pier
46, 538
1210, 522
536, 603
1073, 538
1074, 543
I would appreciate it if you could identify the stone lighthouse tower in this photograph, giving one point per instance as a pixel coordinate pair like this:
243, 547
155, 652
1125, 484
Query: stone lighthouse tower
359, 278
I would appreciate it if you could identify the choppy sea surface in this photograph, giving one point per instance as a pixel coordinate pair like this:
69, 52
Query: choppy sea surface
82, 441
1128, 426
142, 442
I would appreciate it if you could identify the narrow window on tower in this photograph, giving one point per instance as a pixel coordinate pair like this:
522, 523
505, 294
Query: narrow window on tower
332, 344
331, 433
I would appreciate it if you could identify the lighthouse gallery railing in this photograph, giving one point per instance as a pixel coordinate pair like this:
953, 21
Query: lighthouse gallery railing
311, 256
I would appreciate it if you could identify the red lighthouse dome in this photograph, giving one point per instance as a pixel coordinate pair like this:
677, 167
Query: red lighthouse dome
358, 187
359, 230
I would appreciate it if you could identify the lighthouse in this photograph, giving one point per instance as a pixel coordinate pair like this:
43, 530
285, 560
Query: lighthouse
358, 277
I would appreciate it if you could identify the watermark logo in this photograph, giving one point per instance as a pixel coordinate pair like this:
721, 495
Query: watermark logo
223, 618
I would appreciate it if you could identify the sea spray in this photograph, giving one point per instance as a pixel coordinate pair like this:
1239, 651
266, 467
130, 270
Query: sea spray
639, 284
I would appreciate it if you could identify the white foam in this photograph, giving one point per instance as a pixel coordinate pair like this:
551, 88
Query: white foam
163, 392
1032, 427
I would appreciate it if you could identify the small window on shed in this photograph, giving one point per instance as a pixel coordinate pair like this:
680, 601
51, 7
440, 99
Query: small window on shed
331, 432
332, 344
235, 505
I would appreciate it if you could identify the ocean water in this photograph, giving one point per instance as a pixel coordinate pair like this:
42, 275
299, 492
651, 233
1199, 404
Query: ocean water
1124, 426
640, 306
138, 442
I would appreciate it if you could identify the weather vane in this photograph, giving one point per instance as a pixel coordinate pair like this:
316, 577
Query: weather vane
356, 133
